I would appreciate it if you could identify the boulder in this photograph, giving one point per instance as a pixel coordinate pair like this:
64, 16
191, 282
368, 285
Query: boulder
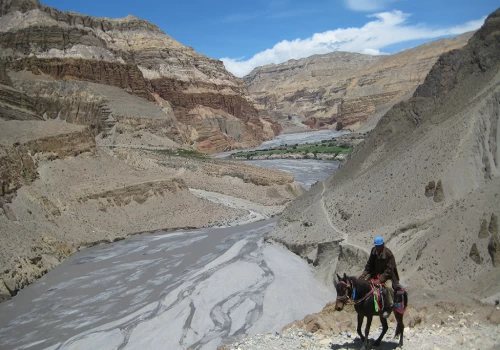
474, 254
494, 317
4, 292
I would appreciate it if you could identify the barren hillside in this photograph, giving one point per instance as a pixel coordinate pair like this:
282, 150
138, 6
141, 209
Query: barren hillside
426, 178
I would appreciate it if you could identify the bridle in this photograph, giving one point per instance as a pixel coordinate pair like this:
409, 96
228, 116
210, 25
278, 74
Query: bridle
345, 298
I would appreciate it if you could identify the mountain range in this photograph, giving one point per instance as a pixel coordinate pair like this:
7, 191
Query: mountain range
343, 89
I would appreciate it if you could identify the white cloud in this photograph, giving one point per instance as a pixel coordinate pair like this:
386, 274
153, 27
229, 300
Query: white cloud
367, 5
374, 52
385, 29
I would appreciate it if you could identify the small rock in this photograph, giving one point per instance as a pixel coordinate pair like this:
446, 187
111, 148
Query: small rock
494, 317
459, 339
10, 283
324, 342
4, 292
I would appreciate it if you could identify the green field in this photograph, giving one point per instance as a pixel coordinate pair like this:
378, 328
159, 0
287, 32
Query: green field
314, 148
183, 153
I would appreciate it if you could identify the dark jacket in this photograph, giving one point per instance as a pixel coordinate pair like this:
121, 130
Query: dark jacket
385, 266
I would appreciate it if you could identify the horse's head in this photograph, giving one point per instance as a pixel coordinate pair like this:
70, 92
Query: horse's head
344, 289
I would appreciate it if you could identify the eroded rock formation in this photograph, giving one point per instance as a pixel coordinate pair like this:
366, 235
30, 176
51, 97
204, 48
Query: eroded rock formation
23, 143
136, 56
345, 89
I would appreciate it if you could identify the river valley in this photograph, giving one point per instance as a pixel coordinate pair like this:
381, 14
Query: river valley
172, 290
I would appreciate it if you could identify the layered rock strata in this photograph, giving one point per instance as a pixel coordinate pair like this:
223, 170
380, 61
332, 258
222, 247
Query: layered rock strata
24, 143
342, 89
425, 179
136, 56
14, 105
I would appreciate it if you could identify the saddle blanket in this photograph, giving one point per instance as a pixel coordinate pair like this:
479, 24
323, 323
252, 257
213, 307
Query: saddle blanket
399, 301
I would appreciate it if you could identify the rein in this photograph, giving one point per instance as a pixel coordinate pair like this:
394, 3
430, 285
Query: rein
365, 297
345, 298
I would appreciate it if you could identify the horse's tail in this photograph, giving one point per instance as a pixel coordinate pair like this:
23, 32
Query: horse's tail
399, 317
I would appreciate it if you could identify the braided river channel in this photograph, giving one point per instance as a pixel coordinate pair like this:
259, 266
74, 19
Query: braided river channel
173, 290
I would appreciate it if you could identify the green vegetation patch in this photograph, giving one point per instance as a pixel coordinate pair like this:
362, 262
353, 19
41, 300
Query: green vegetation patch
314, 148
182, 153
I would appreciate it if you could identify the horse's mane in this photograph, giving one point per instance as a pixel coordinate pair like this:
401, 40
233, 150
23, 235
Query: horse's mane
360, 283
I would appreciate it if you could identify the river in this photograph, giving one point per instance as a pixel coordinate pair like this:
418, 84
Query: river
197, 288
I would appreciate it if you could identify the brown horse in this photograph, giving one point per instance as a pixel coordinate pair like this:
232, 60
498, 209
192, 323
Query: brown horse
364, 306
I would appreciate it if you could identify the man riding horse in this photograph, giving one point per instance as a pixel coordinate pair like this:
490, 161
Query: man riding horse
381, 268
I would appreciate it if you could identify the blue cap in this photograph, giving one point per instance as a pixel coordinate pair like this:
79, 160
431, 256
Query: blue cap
379, 241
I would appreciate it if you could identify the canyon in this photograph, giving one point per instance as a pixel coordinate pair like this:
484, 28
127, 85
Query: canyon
106, 127
93, 115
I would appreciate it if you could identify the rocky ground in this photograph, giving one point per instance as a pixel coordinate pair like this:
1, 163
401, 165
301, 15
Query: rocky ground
445, 325
460, 336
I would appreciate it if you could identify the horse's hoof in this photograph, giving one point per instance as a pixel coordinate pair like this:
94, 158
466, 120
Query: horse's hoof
377, 344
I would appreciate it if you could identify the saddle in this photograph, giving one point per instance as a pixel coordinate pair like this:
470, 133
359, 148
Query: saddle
399, 298
378, 298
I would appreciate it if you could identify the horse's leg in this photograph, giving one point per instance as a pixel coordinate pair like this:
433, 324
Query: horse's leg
360, 324
400, 328
367, 331
384, 330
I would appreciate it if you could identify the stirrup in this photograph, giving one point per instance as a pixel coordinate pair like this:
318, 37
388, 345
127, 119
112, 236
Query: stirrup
386, 313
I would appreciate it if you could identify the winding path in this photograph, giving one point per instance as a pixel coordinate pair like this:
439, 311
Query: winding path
344, 235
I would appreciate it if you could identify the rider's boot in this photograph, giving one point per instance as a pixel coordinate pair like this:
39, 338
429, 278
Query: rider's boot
389, 294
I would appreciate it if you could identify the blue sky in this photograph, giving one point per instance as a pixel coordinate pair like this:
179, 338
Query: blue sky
246, 34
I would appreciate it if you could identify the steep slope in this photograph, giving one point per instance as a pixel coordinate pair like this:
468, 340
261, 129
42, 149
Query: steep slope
136, 56
427, 178
343, 89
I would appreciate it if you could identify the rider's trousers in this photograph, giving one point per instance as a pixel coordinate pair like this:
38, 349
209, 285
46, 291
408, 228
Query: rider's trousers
389, 292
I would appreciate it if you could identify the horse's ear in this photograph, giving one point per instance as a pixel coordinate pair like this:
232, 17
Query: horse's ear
345, 276
339, 278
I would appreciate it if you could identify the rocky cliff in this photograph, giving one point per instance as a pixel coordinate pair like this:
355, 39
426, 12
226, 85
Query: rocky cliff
136, 56
427, 179
342, 89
